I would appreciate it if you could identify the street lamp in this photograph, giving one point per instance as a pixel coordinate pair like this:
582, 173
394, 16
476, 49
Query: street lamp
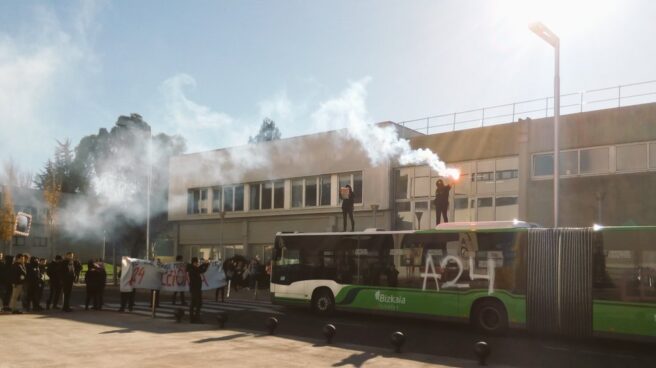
553, 40
150, 175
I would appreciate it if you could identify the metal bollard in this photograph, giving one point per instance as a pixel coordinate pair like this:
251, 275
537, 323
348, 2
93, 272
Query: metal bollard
228, 295
272, 324
482, 351
397, 339
329, 331
221, 319
255, 292
179, 314
154, 300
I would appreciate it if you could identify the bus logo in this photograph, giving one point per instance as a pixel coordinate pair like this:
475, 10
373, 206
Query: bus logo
388, 299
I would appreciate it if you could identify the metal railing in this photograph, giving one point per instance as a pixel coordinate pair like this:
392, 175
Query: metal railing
595, 99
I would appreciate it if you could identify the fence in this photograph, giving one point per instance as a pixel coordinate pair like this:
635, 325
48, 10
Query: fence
596, 99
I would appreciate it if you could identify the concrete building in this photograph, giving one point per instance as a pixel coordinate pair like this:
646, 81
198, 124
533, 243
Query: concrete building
608, 176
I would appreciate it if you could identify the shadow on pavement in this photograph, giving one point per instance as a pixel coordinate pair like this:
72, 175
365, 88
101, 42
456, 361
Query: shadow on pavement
222, 338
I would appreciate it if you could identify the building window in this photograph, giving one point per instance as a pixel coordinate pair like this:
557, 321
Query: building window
279, 194
197, 201
311, 192
460, 203
506, 201
216, 199
507, 174
267, 195
401, 184
228, 196
39, 241
297, 193
255, 196
543, 164
631, 157
652, 155
483, 176
569, 163
594, 160
484, 202
324, 189
19, 241
239, 197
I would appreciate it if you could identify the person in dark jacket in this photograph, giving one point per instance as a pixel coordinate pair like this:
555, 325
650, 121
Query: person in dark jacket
54, 274
67, 272
194, 270
102, 282
441, 201
6, 296
3, 277
78, 269
347, 208
18, 277
33, 283
91, 280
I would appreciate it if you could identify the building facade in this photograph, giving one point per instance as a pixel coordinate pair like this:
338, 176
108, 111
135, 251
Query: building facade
233, 201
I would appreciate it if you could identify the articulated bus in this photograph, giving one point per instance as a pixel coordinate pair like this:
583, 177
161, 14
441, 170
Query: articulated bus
573, 281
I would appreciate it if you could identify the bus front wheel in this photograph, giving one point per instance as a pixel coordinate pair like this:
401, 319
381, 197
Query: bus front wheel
490, 316
323, 301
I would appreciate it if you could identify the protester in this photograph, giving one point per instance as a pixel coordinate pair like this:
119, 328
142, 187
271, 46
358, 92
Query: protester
175, 293
6, 295
347, 208
127, 300
3, 277
33, 284
67, 273
102, 282
91, 280
78, 268
55, 279
195, 288
43, 269
441, 201
18, 276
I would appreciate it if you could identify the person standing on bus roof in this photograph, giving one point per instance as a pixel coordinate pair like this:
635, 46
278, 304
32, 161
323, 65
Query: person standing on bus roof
347, 208
441, 201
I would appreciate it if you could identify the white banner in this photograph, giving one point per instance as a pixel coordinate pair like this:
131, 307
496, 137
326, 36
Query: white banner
144, 274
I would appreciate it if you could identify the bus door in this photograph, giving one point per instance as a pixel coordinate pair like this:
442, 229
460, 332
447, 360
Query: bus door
287, 276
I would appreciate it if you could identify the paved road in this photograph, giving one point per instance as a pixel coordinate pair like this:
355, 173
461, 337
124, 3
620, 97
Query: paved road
423, 337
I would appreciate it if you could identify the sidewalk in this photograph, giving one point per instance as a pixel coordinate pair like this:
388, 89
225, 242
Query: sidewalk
263, 295
105, 339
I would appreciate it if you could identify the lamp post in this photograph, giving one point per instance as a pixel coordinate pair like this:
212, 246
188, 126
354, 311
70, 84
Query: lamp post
150, 175
547, 35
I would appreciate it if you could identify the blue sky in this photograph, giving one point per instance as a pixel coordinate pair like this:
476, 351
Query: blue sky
211, 70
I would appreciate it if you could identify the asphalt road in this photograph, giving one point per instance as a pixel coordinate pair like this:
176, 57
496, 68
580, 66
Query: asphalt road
425, 337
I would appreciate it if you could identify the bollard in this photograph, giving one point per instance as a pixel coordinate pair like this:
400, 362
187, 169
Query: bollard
179, 314
329, 331
272, 324
255, 292
482, 351
397, 339
228, 295
221, 319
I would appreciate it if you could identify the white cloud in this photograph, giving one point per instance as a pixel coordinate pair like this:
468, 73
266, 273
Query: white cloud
34, 64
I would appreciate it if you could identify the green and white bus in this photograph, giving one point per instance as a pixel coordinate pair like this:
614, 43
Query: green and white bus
496, 275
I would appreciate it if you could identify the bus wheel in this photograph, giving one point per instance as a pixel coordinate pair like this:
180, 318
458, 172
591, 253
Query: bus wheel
323, 302
490, 316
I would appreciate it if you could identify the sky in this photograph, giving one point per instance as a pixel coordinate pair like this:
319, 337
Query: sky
212, 70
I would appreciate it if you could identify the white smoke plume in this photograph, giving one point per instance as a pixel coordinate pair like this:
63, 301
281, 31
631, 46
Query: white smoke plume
381, 142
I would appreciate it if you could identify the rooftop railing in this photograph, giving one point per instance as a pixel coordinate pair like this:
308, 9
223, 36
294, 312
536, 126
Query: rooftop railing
571, 103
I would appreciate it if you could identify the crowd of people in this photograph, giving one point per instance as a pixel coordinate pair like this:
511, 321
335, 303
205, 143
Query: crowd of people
23, 279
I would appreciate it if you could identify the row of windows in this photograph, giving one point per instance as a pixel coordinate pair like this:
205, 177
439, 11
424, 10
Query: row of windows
305, 193
598, 160
34, 241
463, 202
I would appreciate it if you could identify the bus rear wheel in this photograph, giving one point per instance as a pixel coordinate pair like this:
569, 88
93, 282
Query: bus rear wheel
323, 302
490, 316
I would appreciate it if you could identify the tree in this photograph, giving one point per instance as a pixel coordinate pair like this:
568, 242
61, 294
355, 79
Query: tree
12, 175
52, 191
7, 216
268, 132
116, 164
62, 166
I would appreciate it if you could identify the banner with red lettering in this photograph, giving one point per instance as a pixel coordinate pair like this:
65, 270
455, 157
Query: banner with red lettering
144, 274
